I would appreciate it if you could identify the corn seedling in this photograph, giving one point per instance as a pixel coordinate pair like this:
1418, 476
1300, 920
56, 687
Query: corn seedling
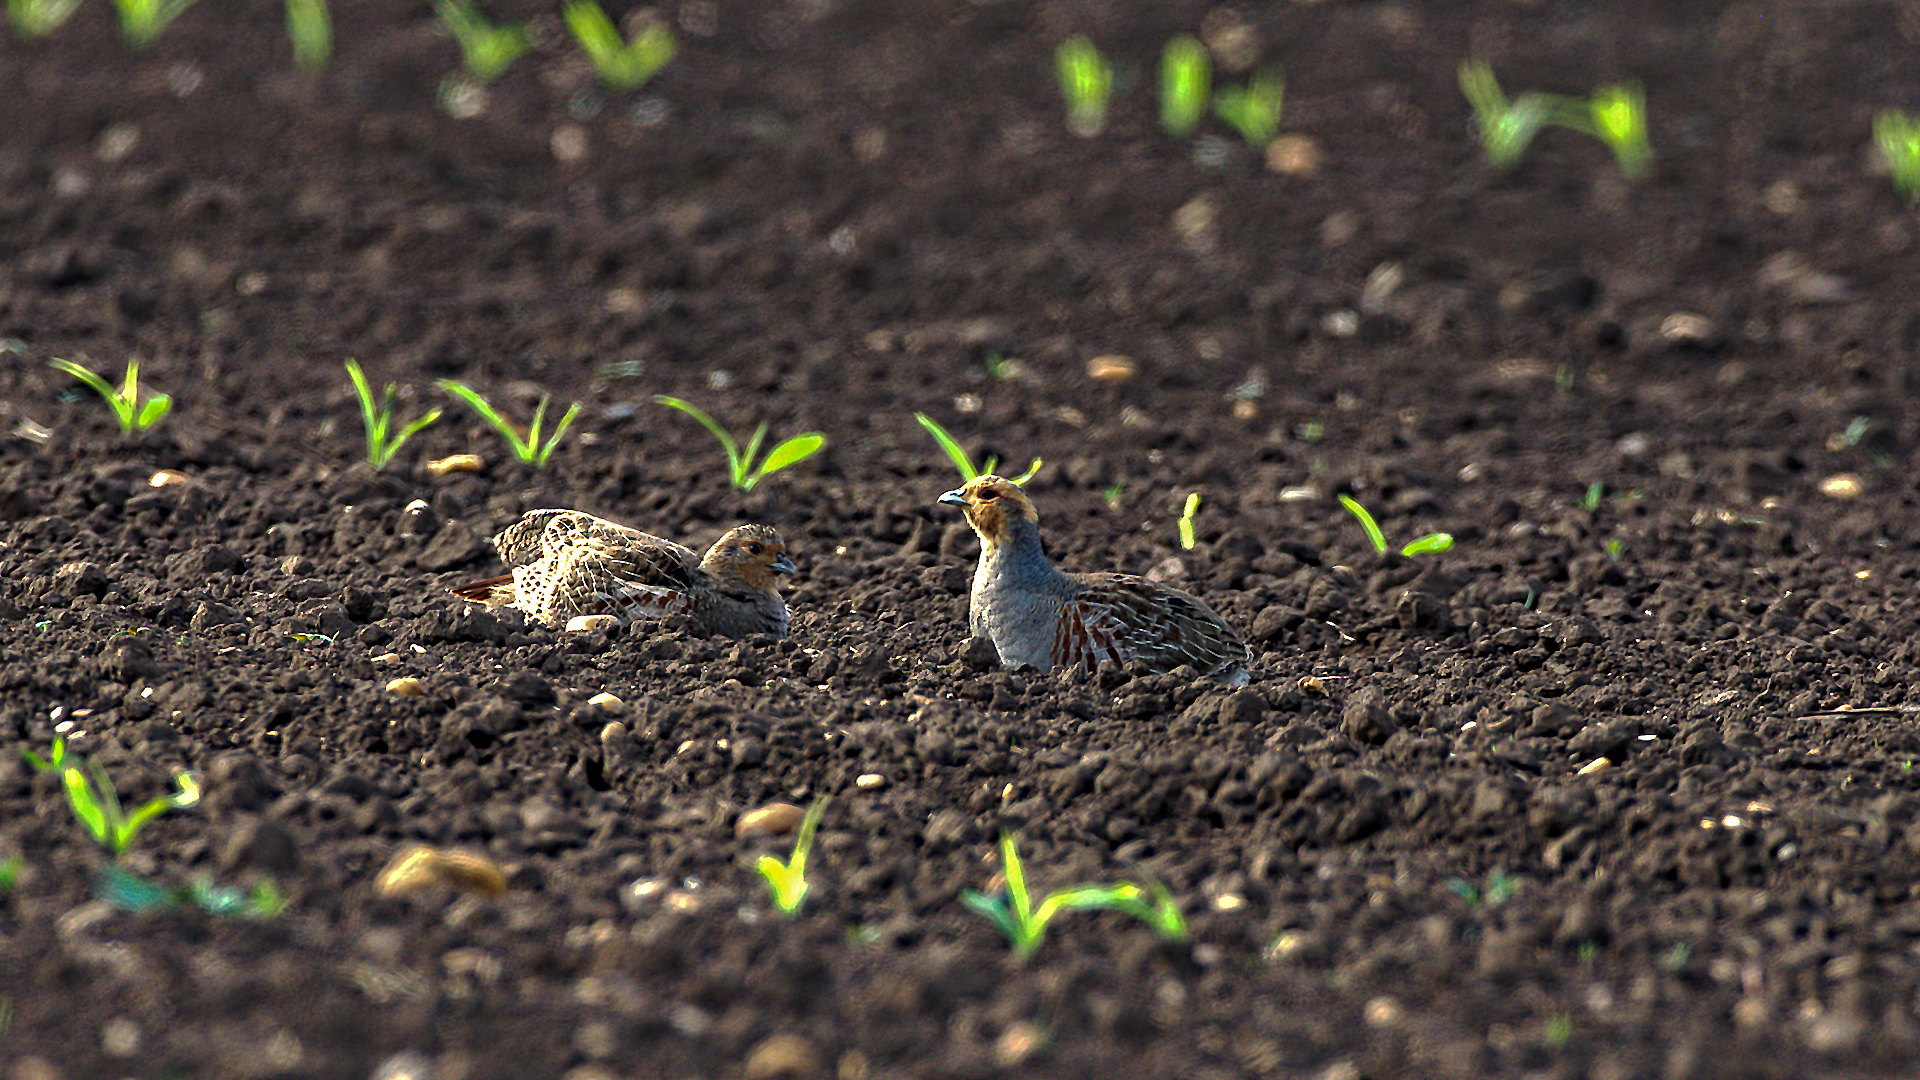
38, 18
142, 20
1506, 127
622, 64
1617, 116
311, 29
958, 455
788, 879
1253, 110
527, 448
1499, 888
1428, 544
10, 871
382, 441
1025, 924
1086, 81
739, 461
132, 893
1898, 137
1186, 520
486, 50
134, 415
1594, 493
96, 803
1186, 78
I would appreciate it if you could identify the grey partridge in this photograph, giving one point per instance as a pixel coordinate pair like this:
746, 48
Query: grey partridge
1035, 614
566, 563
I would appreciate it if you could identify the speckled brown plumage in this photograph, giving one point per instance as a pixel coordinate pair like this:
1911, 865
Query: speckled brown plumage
1035, 614
566, 563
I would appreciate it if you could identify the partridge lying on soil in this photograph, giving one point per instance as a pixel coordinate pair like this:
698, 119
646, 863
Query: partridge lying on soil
566, 563
1034, 614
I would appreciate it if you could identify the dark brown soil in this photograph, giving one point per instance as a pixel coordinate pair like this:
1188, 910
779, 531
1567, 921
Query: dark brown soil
830, 215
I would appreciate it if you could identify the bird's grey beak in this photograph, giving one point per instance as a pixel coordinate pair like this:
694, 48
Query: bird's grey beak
956, 497
784, 565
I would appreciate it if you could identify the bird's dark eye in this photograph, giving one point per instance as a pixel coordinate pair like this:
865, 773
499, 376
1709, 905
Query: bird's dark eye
753, 549
988, 495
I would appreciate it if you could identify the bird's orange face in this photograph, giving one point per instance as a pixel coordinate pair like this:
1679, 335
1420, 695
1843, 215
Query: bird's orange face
752, 554
993, 504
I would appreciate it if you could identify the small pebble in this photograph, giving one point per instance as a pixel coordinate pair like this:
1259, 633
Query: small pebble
784, 1057
1842, 486
1112, 369
1597, 765
604, 700
420, 868
592, 622
406, 686
773, 819
870, 781
166, 477
1294, 155
458, 463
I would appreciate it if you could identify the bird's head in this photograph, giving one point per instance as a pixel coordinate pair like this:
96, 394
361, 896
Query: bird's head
994, 505
753, 555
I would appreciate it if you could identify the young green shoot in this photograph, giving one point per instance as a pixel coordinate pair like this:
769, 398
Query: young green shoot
1086, 81
1617, 116
96, 803
142, 20
1595, 492
38, 18
1186, 78
1425, 545
740, 463
623, 64
131, 893
134, 415
1186, 521
528, 448
10, 871
788, 879
1253, 110
1025, 924
958, 455
310, 28
486, 50
377, 418
1898, 137
1506, 127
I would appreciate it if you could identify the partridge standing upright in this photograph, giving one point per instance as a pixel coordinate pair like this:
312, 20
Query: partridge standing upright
567, 563
1035, 614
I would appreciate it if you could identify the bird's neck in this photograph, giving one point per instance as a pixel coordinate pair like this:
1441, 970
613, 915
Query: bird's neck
1017, 556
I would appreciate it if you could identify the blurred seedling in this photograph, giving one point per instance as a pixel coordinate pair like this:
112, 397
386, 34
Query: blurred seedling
1253, 110
377, 418
1186, 521
129, 892
788, 879
1499, 887
1897, 135
38, 18
142, 20
527, 448
1425, 545
1616, 115
1086, 81
740, 462
486, 50
310, 28
1186, 78
1594, 493
10, 871
1506, 127
96, 803
1024, 923
133, 414
958, 455
622, 63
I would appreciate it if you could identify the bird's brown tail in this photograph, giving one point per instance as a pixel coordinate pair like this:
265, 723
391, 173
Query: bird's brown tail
482, 591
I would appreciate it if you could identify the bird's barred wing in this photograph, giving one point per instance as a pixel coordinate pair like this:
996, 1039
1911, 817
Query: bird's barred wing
626, 573
1113, 618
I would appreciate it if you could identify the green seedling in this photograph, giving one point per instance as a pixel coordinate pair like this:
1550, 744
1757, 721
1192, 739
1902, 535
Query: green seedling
1897, 136
1086, 81
1186, 78
1428, 544
132, 893
1506, 127
377, 418
1615, 548
527, 448
958, 455
310, 28
486, 50
1025, 924
1253, 110
96, 802
133, 414
1595, 492
1617, 116
1559, 1030
788, 879
10, 871
622, 64
1186, 521
38, 18
1500, 887
1111, 496
142, 20
740, 462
